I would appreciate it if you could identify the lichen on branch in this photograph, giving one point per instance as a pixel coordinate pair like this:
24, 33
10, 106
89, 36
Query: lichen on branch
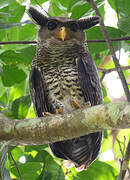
61, 127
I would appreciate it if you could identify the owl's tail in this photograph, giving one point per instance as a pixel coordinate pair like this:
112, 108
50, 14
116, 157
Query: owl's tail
81, 151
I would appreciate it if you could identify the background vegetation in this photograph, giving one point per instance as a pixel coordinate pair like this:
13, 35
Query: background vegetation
15, 59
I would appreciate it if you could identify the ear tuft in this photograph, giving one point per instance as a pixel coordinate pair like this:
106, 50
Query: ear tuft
38, 17
88, 22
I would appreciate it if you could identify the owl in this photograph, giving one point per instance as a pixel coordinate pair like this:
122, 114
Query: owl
64, 78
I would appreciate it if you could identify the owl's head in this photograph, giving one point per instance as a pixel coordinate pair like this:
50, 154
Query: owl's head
61, 28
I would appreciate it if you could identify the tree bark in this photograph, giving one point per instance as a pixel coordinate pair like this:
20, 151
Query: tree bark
61, 127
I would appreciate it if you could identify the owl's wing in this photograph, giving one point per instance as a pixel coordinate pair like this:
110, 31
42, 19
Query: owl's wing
89, 80
38, 92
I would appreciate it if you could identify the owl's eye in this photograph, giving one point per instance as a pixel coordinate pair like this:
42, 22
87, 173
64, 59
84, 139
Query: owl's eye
52, 25
74, 27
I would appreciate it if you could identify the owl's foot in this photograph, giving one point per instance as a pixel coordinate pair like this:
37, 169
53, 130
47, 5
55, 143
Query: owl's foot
59, 111
87, 104
81, 168
76, 105
48, 114
68, 164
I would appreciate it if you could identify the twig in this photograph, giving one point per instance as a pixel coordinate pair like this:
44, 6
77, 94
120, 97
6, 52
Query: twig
18, 42
124, 163
115, 39
102, 77
15, 164
106, 71
88, 41
110, 46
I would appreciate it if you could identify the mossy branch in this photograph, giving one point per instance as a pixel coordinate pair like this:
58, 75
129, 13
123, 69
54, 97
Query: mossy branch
61, 127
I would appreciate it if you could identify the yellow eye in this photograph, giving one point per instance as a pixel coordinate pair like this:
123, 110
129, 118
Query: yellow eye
52, 25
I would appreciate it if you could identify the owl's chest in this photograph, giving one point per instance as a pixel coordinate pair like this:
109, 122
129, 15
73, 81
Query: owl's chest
63, 84
61, 78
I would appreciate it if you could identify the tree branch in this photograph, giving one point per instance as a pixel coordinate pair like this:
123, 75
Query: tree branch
61, 127
110, 46
88, 41
106, 71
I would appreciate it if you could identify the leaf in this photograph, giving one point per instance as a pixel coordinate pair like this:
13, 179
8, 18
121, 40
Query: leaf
124, 24
106, 143
15, 10
95, 33
17, 152
27, 32
39, 1
68, 4
11, 57
10, 25
22, 56
12, 75
104, 90
82, 8
28, 54
21, 106
98, 170
29, 170
122, 6
56, 9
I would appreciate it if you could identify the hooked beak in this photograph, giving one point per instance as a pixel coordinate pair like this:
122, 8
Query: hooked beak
62, 33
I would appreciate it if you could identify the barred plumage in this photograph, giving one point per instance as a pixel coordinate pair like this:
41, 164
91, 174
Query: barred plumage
63, 76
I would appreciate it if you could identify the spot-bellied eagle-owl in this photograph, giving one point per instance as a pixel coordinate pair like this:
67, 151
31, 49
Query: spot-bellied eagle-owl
63, 77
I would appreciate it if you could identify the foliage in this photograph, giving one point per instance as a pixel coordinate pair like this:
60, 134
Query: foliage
14, 89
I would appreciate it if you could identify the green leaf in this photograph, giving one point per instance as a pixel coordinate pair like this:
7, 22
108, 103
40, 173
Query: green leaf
27, 32
95, 33
22, 56
122, 6
12, 75
54, 169
15, 10
104, 91
5, 3
106, 143
29, 170
39, 1
17, 152
21, 106
11, 57
2, 35
56, 9
99, 171
80, 9
68, 4
83, 8
124, 24
28, 54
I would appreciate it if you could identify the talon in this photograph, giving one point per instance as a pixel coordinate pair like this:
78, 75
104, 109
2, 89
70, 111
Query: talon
59, 111
76, 105
81, 168
48, 114
86, 105
68, 164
